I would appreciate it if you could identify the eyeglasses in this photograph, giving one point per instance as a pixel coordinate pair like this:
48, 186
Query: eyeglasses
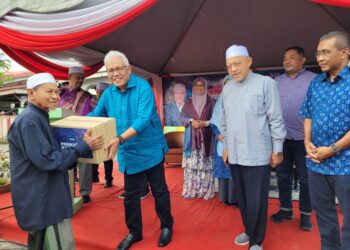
119, 70
325, 52
235, 64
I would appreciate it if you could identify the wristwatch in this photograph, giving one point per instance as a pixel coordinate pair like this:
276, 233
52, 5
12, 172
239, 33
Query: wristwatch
278, 153
334, 147
121, 140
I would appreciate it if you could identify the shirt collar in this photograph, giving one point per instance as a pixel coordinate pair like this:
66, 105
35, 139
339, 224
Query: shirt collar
341, 75
299, 74
35, 108
131, 83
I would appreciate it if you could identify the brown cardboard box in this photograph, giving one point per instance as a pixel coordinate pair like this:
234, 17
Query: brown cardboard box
70, 131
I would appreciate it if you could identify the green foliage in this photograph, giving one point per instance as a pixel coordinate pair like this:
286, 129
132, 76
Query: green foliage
5, 66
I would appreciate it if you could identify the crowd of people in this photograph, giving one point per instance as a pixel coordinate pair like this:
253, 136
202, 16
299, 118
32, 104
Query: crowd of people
298, 122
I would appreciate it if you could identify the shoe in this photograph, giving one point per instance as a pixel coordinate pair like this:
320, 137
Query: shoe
256, 247
305, 222
95, 179
86, 198
145, 195
128, 241
281, 216
242, 239
108, 184
165, 236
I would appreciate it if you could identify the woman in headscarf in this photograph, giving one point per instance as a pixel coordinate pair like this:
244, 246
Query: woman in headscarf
221, 171
198, 149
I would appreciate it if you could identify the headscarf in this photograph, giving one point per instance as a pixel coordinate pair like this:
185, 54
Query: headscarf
199, 101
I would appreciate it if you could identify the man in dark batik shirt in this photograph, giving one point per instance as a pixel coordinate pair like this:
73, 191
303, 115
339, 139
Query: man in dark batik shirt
40, 187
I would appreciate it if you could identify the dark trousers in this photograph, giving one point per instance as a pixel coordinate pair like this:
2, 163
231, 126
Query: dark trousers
293, 154
133, 185
108, 165
36, 240
323, 189
252, 185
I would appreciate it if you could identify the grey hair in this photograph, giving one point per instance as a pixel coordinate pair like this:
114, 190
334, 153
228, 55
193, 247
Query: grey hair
179, 85
114, 53
342, 39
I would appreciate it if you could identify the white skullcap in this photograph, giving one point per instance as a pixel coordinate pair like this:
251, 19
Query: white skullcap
39, 79
236, 50
75, 69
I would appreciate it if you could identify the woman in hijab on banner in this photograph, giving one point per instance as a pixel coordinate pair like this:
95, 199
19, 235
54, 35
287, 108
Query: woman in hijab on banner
221, 171
198, 149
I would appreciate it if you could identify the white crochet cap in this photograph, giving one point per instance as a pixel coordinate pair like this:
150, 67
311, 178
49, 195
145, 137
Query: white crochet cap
38, 79
236, 50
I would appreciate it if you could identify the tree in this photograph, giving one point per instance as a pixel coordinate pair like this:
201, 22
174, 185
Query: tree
5, 65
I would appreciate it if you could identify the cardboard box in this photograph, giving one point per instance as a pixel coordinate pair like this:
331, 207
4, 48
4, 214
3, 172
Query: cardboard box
70, 131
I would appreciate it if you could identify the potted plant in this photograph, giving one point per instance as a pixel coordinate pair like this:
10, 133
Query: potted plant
5, 181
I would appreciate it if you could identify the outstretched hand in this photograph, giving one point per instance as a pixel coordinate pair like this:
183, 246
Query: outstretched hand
112, 148
94, 142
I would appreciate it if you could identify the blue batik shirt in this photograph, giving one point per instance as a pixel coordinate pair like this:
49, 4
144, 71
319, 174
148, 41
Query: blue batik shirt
327, 104
135, 107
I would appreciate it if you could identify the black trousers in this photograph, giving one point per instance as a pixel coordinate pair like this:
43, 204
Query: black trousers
108, 170
252, 185
133, 185
293, 154
36, 240
323, 190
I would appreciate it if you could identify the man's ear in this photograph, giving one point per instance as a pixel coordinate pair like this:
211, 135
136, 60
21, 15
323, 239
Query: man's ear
30, 93
250, 61
345, 53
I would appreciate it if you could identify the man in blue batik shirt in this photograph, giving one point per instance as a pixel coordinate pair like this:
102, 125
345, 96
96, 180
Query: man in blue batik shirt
140, 144
326, 110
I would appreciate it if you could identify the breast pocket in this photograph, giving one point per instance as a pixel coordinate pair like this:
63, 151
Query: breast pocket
256, 104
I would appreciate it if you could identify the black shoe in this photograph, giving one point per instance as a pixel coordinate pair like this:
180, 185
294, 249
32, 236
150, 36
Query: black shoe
165, 236
281, 216
108, 184
86, 198
305, 222
128, 241
122, 196
145, 195
95, 179
142, 196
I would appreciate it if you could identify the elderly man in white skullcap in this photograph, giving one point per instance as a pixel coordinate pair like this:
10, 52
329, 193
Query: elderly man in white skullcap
39, 169
253, 134
74, 98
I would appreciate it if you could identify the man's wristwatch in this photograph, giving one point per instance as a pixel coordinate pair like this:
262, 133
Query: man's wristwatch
121, 140
334, 147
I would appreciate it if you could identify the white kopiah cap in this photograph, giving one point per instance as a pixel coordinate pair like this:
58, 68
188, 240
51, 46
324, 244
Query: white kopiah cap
236, 50
39, 79
76, 69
